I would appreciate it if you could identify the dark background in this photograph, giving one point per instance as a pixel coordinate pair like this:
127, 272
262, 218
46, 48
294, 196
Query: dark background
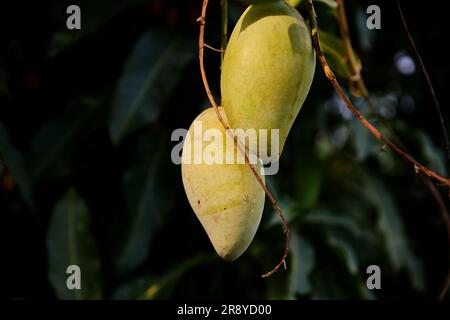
76, 190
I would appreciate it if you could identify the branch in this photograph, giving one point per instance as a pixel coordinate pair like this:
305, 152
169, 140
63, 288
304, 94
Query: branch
427, 78
201, 44
418, 167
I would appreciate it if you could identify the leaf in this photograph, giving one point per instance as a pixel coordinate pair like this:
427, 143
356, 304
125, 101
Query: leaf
307, 184
53, 142
302, 264
149, 78
149, 196
434, 155
330, 219
160, 287
390, 224
344, 250
291, 211
15, 162
334, 51
363, 141
70, 242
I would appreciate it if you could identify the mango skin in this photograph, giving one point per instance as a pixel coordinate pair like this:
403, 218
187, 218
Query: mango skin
267, 70
226, 198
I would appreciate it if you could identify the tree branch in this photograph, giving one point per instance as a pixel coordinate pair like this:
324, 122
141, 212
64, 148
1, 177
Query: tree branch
418, 167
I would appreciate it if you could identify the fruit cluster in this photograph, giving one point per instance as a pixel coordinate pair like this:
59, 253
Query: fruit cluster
267, 72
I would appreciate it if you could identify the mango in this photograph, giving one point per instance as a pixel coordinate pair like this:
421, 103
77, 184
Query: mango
226, 198
267, 71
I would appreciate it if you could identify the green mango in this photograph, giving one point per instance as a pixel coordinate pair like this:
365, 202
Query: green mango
267, 71
226, 198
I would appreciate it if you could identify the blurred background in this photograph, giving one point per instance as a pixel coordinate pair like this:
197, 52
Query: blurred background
86, 178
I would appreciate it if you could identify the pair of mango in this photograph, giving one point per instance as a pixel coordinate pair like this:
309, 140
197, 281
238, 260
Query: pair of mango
267, 72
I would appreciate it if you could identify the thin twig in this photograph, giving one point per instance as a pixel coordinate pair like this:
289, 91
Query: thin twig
272, 199
418, 167
212, 48
428, 79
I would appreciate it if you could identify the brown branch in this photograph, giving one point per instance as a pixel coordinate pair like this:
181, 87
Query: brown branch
418, 167
241, 149
343, 27
427, 78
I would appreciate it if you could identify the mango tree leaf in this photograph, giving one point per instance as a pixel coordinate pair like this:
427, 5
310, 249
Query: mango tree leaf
391, 225
329, 219
363, 141
160, 287
345, 251
15, 162
149, 196
291, 211
334, 51
307, 183
150, 76
70, 242
434, 155
50, 147
302, 264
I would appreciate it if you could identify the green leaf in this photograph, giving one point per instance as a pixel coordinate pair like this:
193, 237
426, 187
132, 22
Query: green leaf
70, 242
329, 219
15, 162
149, 197
291, 211
50, 148
363, 141
435, 156
160, 287
334, 51
301, 266
151, 74
391, 225
307, 184
345, 251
